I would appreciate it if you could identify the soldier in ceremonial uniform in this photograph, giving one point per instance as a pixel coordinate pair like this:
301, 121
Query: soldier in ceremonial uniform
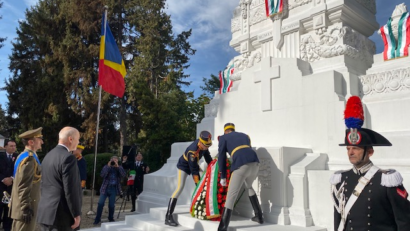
26, 187
367, 197
187, 165
244, 168
82, 164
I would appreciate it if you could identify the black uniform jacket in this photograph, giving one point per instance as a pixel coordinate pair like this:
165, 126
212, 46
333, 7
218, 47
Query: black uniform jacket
140, 171
188, 162
378, 208
61, 194
6, 170
238, 145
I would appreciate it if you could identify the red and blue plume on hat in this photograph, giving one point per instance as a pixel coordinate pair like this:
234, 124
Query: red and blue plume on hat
354, 113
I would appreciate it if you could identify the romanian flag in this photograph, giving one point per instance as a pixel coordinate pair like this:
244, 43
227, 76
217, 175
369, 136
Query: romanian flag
111, 68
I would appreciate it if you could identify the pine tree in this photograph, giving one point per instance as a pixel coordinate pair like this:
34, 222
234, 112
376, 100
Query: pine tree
36, 88
1, 39
211, 85
156, 78
54, 68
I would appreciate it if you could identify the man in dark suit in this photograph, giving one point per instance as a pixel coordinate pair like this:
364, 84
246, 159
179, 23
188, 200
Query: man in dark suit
59, 208
140, 169
7, 160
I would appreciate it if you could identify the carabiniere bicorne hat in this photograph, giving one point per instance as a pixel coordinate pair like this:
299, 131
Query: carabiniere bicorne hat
205, 138
355, 134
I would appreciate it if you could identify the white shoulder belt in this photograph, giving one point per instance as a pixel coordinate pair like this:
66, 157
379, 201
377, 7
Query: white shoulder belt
363, 181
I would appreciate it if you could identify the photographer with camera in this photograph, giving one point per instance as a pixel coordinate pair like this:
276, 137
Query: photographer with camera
112, 174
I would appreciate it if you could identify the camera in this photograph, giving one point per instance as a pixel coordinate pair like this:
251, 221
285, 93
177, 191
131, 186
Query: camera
112, 163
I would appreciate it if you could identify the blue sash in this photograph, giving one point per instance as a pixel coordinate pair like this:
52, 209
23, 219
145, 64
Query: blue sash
20, 158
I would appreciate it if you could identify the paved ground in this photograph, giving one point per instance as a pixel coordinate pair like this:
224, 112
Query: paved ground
88, 220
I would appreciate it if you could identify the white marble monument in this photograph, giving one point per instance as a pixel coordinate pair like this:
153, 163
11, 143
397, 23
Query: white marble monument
292, 78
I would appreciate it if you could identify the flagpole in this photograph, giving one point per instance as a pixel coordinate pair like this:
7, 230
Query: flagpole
91, 212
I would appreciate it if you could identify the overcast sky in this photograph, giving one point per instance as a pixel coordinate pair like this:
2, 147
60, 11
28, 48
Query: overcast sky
210, 22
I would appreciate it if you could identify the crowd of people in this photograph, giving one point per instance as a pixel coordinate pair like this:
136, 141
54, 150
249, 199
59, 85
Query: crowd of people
50, 193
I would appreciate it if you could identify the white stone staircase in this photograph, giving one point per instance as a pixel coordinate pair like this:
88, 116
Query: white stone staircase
154, 221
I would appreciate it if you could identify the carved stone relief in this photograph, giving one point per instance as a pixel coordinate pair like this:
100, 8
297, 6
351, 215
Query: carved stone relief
246, 61
336, 41
386, 82
257, 15
235, 25
296, 3
265, 173
368, 4
256, 3
244, 8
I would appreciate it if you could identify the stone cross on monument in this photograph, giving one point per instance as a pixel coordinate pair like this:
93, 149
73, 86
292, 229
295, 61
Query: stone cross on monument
264, 76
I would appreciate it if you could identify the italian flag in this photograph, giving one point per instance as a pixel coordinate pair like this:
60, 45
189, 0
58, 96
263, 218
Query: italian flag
131, 177
389, 41
403, 40
221, 83
224, 79
273, 7
229, 73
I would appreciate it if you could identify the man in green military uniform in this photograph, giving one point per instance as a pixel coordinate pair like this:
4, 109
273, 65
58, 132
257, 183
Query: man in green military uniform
26, 188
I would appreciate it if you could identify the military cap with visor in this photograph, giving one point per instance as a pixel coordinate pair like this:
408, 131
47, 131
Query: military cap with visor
35, 133
229, 126
205, 138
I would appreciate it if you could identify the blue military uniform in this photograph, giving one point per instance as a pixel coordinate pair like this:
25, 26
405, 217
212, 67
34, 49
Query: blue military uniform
189, 161
187, 165
244, 167
238, 145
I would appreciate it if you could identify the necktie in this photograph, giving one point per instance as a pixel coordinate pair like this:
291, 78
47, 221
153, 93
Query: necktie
9, 156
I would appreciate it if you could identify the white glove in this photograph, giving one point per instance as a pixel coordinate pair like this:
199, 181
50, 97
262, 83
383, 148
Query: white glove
223, 182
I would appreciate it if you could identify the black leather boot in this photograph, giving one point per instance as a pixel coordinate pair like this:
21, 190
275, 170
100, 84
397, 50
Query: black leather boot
133, 198
169, 219
226, 217
257, 209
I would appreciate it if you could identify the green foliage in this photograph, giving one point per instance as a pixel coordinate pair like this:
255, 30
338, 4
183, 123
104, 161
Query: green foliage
1, 39
54, 66
211, 85
3, 122
102, 159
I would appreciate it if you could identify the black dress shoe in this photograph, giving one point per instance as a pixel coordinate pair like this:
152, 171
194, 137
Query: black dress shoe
132, 210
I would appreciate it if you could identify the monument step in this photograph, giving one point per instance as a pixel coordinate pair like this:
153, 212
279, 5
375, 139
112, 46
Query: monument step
118, 226
154, 221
